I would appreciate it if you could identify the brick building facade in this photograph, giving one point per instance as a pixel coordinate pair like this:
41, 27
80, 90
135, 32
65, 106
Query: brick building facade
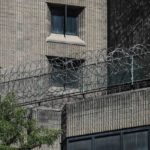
25, 27
40, 29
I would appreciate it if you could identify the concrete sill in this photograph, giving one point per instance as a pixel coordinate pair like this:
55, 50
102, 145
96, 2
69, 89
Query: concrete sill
68, 39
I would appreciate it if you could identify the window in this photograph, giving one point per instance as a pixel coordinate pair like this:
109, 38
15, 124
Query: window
58, 19
136, 141
128, 139
64, 19
65, 72
107, 143
81, 145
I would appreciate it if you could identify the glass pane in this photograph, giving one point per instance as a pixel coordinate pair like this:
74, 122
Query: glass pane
61, 77
57, 19
65, 72
72, 78
72, 14
119, 71
80, 145
141, 67
71, 26
58, 76
136, 141
107, 143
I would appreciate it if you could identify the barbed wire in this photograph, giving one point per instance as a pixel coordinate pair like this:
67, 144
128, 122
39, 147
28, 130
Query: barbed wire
54, 78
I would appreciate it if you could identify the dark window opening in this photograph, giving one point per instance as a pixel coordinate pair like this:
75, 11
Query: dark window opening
64, 19
65, 72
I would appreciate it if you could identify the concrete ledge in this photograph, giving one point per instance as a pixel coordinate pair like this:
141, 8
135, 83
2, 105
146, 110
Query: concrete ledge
68, 39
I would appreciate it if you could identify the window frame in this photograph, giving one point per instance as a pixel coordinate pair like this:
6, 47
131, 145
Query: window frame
78, 10
120, 133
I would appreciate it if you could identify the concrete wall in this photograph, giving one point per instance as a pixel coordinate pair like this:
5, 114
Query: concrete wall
25, 24
108, 113
49, 118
